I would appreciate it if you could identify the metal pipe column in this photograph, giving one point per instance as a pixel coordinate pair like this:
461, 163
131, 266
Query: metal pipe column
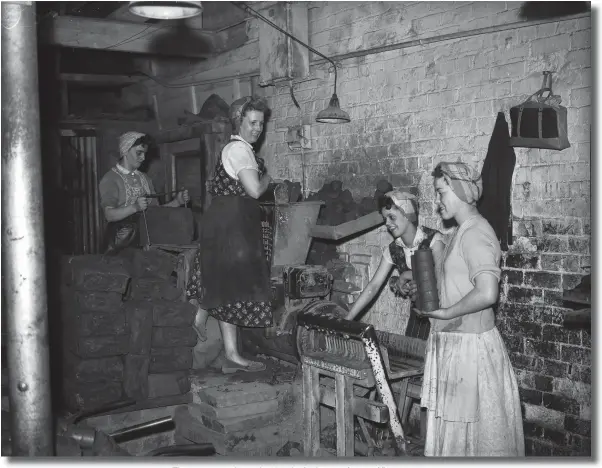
23, 236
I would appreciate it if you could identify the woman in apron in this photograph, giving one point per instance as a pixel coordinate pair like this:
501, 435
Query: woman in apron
230, 280
469, 386
123, 192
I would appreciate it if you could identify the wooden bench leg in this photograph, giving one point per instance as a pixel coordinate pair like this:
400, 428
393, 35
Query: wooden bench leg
404, 403
311, 410
344, 415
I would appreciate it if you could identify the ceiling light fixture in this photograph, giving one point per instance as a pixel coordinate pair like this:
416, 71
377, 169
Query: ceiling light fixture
333, 113
166, 10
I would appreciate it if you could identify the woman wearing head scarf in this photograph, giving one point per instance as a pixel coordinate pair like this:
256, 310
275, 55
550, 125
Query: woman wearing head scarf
469, 387
124, 188
230, 279
400, 211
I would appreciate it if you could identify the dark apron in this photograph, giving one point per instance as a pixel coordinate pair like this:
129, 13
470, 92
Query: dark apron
122, 234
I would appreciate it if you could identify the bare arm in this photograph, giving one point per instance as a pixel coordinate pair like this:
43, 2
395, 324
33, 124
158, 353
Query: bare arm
253, 184
117, 214
370, 291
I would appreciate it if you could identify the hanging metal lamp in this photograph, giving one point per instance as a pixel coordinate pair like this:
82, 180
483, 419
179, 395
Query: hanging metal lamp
333, 113
166, 10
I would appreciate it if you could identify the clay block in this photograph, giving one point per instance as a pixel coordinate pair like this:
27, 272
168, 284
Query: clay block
96, 301
161, 222
237, 394
174, 383
99, 346
173, 314
172, 337
189, 428
89, 323
198, 409
93, 370
243, 423
95, 273
154, 288
153, 263
90, 395
170, 359
135, 382
140, 321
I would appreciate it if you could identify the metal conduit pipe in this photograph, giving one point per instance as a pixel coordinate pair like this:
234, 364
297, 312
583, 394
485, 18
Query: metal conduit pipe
448, 37
381, 49
23, 237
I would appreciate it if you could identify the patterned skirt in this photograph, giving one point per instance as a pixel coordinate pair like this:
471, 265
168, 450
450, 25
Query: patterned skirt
231, 276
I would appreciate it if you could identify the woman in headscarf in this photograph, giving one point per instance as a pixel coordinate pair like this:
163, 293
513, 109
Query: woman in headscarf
124, 188
230, 278
400, 211
469, 386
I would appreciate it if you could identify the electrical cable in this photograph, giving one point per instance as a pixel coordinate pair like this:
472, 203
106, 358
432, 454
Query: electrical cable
248, 9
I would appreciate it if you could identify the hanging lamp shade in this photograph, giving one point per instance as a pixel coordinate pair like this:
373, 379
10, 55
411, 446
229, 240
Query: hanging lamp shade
333, 113
165, 10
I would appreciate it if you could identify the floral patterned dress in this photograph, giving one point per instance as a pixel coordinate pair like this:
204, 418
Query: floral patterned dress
231, 276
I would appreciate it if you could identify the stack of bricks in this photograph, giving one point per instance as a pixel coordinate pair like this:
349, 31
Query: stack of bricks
126, 329
240, 419
161, 334
95, 332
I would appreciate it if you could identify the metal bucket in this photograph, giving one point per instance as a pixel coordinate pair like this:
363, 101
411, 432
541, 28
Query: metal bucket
292, 225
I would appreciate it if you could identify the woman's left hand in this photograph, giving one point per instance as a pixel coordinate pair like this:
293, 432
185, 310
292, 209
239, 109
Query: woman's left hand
183, 197
440, 314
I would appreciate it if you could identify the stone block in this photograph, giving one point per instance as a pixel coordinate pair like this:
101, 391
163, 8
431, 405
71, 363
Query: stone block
243, 423
189, 428
172, 337
96, 273
140, 321
93, 370
198, 409
78, 395
170, 359
153, 263
154, 288
99, 346
135, 382
237, 394
173, 383
173, 314
77, 322
95, 301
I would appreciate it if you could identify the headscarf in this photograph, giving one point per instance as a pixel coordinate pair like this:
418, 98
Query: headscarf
464, 180
236, 110
127, 140
403, 201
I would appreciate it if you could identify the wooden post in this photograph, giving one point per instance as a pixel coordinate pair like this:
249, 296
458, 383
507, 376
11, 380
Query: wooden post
344, 415
311, 410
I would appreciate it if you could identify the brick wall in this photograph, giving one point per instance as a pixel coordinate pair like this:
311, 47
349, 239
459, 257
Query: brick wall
413, 107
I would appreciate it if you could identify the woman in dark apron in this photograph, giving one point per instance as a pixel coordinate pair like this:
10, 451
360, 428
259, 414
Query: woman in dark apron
123, 192
231, 280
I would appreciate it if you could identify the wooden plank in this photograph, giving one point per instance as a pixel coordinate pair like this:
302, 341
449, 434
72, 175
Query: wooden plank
93, 33
362, 407
311, 410
344, 415
349, 228
101, 79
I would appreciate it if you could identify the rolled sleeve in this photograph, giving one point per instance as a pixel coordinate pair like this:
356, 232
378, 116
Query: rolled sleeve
481, 252
238, 156
387, 255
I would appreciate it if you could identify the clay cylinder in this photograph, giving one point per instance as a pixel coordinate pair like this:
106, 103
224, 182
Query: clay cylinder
423, 271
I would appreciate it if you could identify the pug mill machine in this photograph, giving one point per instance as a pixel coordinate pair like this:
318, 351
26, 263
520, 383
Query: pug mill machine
310, 329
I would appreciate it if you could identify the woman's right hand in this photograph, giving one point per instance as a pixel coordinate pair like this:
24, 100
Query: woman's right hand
141, 204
